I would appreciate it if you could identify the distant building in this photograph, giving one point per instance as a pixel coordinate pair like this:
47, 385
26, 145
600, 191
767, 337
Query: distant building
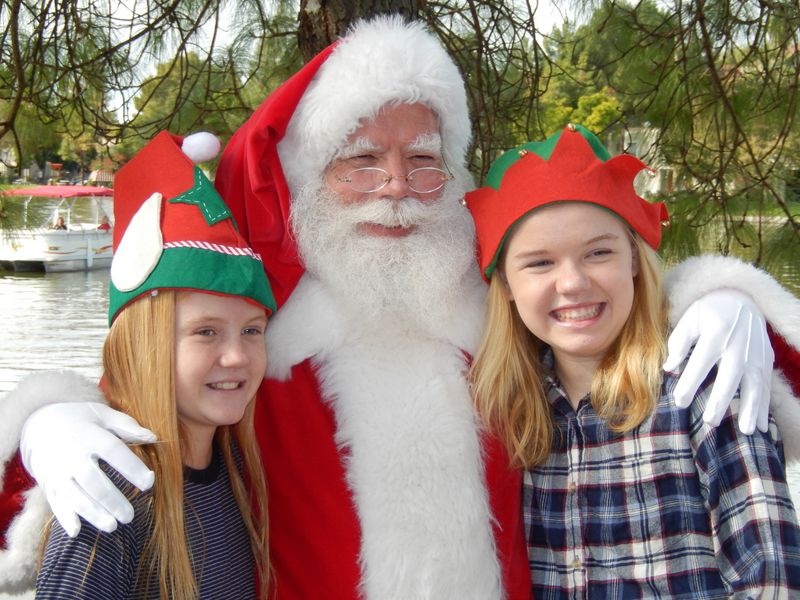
102, 177
8, 162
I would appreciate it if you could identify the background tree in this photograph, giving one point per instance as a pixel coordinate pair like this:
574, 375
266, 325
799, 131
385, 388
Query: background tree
37, 139
80, 149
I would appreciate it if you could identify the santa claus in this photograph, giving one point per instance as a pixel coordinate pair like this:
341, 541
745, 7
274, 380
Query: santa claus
349, 181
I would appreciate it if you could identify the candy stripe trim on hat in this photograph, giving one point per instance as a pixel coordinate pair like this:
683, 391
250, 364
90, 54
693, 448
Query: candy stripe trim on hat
230, 250
212, 271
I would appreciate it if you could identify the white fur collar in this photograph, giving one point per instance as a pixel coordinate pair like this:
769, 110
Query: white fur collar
406, 424
312, 323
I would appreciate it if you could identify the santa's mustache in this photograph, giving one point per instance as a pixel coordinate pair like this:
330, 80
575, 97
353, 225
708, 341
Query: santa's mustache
389, 213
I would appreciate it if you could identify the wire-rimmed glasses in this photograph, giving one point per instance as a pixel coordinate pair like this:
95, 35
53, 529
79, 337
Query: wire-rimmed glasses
423, 180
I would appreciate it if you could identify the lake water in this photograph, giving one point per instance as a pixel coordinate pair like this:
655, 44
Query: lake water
58, 320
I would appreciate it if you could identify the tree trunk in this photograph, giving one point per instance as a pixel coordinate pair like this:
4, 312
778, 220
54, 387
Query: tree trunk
321, 22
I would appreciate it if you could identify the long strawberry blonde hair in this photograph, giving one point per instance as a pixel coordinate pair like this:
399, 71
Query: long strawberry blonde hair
508, 377
139, 379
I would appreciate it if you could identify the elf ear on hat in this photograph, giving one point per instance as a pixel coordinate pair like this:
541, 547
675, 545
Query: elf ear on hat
295, 133
173, 230
572, 165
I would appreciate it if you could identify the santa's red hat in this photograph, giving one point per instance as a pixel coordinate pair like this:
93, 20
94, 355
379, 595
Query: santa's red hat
295, 133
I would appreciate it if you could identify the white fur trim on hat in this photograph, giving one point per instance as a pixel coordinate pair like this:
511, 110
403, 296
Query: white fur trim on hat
383, 60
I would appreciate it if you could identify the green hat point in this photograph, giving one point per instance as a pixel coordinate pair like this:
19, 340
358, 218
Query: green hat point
543, 149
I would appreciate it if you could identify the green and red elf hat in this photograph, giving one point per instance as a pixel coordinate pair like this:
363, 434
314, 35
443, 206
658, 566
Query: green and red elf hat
172, 230
572, 165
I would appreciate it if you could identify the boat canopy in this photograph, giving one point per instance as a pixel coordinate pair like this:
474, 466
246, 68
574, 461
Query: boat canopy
59, 191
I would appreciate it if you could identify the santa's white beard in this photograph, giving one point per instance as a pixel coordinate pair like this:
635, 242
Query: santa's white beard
413, 278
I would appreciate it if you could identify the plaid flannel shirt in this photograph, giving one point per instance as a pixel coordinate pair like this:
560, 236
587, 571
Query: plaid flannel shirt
671, 509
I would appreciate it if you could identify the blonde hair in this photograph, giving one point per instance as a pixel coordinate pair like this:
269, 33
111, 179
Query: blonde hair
139, 379
508, 377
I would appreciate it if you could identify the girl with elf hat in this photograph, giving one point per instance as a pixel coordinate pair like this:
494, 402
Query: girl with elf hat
625, 495
184, 356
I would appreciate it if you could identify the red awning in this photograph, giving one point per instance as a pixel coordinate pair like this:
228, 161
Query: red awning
59, 191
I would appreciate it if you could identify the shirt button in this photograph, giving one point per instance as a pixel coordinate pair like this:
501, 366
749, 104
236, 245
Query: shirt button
571, 488
576, 563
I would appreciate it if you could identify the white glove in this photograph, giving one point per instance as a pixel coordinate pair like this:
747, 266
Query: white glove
729, 330
60, 446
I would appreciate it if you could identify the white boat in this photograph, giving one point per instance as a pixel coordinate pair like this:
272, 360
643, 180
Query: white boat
83, 243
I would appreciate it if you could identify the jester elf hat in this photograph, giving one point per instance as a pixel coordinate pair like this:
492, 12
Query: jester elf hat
572, 165
172, 230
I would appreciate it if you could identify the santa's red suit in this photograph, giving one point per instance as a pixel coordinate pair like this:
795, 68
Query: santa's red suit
381, 482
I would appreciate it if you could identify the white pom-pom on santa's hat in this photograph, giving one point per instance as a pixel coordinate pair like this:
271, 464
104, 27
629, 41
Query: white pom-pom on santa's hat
384, 60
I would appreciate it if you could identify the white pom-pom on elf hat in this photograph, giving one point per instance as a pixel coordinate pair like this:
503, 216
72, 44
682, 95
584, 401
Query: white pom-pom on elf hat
201, 146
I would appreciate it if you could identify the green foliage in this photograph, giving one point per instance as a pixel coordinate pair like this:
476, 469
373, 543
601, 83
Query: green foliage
718, 87
715, 85
11, 214
184, 95
80, 65
38, 138
217, 91
81, 150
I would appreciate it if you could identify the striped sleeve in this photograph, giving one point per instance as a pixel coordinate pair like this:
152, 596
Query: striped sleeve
92, 565
95, 564
755, 524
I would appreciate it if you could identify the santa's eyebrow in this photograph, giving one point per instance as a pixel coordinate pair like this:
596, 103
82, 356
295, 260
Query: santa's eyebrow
427, 142
358, 146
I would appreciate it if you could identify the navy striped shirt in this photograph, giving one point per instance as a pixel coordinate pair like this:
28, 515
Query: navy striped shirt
218, 541
672, 509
